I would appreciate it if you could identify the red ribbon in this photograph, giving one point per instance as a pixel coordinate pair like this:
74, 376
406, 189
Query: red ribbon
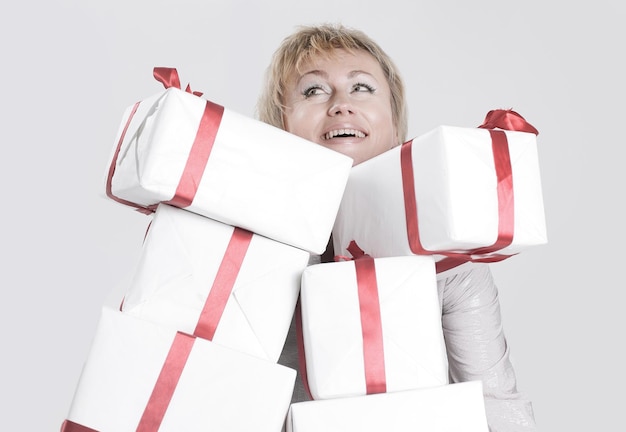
223, 284
70, 426
169, 78
109, 191
163, 390
507, 120
371, 325
502, 119
166, 383
198, 155
506, 201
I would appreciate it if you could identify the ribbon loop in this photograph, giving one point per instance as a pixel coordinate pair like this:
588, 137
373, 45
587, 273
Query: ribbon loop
169, 78
196, 93
354, 250
507, 120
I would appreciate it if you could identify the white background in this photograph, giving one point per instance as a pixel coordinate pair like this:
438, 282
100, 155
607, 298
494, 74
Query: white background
70, 68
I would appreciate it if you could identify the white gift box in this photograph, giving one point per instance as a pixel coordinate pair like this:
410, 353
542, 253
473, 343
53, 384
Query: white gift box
253, 175
186, 267
456, 195
449, 408
409, 316
134, 366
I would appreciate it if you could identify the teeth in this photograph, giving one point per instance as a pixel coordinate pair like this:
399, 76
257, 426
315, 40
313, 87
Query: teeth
351, 132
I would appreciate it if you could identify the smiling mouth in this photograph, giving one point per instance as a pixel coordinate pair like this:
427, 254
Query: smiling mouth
344, 133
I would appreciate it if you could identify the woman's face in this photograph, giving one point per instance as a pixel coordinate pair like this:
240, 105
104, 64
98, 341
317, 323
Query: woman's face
342, 102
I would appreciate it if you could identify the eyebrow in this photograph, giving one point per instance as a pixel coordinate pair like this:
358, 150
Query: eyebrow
323, 74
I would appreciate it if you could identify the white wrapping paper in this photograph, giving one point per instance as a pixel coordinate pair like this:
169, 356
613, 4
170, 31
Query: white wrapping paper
410, 315
215, 387
257, 177
449, 408
180, 259
455, 189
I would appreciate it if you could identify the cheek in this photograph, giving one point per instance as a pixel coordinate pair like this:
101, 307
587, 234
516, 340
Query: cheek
289, 120
386, 123
382, 120
298, 121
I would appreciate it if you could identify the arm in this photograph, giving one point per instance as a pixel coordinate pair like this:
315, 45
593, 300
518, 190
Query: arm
477, 348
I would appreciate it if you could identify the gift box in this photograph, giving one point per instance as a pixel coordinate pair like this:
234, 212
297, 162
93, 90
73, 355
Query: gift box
216, 281
454, 407
183, 150
372, 326
141, 376
453, 191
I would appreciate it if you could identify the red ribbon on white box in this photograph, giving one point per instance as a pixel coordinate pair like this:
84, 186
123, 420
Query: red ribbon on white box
371, 325
207, 324
223, 283
166, 383
163, 389
501, 119
183, 343
109, 190
198, 155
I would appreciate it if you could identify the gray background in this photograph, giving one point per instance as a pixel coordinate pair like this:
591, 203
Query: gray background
69, 68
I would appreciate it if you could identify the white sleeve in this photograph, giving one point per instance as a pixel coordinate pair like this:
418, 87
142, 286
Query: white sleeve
477, 348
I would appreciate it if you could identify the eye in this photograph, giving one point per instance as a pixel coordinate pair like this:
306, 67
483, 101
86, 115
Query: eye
362, 87
313, 90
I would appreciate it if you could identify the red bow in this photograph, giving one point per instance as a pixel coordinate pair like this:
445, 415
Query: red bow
354, 250
507, 120
169, 78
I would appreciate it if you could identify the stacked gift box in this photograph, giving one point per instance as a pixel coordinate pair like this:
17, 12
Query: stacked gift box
457, 194
237, 207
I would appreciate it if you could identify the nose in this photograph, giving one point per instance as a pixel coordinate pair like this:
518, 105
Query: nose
340, 104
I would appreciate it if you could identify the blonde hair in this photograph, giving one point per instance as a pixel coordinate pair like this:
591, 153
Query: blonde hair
311, 41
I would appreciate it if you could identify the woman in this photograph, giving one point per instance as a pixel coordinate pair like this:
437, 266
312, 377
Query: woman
336, 87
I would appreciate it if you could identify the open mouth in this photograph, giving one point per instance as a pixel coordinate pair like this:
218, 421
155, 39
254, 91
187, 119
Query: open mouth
344, 133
